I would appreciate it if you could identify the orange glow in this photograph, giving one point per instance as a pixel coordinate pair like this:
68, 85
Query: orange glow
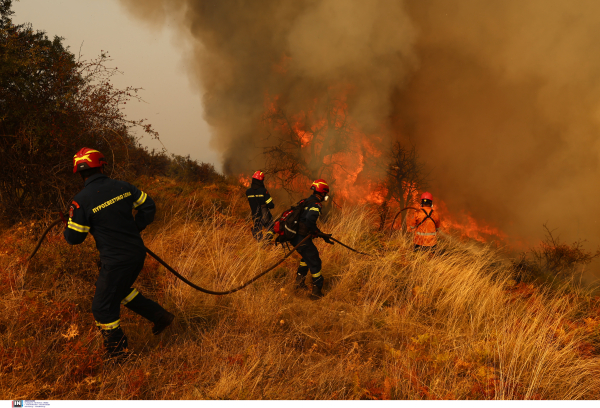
411, 194
245, 180
283, 65
376, 196
465, 226
351, 169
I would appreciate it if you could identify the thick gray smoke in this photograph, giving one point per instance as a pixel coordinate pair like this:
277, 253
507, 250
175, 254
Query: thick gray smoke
505, 107
297, 50
501, 98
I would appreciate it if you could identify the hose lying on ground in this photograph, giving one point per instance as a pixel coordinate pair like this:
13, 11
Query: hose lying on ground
174, 272
210, 292
193, 285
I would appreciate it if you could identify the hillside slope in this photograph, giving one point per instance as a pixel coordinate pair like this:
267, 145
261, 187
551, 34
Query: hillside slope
397, 325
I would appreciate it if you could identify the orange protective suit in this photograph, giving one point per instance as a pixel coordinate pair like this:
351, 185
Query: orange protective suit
425, 231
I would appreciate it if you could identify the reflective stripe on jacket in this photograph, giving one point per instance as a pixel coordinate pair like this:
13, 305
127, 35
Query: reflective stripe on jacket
426, 232
104, 209
258, 196
308, 219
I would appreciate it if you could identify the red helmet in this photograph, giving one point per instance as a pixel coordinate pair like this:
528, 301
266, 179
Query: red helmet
427, 196
88, 158
320, 186
259, 175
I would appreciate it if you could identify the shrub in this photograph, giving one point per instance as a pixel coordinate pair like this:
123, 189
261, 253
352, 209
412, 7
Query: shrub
554, 259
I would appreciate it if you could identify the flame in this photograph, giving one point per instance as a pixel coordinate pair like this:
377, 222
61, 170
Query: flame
311, 132
466, 227
350, 169
245, 180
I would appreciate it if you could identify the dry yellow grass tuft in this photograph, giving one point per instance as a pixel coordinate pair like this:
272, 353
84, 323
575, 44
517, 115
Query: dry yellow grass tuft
397, 325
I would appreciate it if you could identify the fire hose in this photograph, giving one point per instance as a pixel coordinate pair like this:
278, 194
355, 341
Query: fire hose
211, 292
346, 246
398, 213
184, 279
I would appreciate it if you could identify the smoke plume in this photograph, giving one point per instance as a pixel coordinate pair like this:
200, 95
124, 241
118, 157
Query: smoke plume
244, 50
505, 107
502, 99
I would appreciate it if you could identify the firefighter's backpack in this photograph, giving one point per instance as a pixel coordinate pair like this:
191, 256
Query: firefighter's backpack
286, 226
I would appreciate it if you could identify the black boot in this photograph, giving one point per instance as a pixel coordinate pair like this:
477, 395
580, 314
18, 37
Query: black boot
268, 239
317, 285
162, 323
300, 284
316, 293
115, 344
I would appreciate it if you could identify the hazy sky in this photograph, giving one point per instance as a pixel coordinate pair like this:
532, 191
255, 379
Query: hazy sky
148, 57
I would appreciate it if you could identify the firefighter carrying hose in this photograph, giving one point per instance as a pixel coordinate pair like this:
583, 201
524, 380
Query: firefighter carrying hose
425, 223
261, 204
309, 252
103, 208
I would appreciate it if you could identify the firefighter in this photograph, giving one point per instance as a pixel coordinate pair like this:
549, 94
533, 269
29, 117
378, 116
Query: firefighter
308, 251
261, 204
103, 208
425, 224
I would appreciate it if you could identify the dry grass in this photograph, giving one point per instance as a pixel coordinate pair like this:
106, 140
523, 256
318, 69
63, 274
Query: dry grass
398, 325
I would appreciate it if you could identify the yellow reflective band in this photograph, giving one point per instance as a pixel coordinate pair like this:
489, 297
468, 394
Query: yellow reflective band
130, 297
303, 263
140, 200
109, 326
316, 275
269, 200
426, 234
76, 227
250, 196
314, 209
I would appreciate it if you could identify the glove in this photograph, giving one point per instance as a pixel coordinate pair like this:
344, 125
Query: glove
326, 237
62, 218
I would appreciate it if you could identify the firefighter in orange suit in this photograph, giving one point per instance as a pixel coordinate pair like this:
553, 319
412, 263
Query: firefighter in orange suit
425, 224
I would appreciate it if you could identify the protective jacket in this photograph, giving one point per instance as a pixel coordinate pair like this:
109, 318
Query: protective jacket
425, 223
103, 208
308, 251
308, 219
258, 196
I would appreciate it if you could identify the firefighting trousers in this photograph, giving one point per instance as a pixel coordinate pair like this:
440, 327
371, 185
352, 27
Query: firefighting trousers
310, 260
113, 289
257, 229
